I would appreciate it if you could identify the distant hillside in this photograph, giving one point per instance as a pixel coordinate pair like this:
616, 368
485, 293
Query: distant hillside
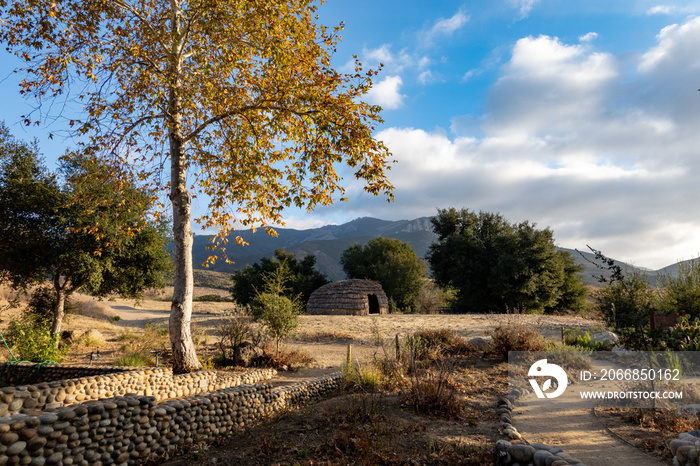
328, 243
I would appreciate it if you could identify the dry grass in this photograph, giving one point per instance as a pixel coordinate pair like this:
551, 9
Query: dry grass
324, 336
87, 306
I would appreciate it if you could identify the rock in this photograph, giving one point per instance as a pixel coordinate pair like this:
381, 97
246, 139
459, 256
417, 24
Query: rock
481, 343
675, 443
690, 409
607, 339
541, 456
522, 453
682, 453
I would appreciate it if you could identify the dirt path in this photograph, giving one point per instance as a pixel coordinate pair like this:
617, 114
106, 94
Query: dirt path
570, 424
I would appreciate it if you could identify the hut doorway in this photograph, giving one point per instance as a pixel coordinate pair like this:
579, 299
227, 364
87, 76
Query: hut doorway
373, 304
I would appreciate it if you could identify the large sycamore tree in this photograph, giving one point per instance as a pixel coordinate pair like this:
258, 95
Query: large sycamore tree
239, 94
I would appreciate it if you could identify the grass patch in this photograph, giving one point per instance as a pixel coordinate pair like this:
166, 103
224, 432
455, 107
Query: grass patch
134, 359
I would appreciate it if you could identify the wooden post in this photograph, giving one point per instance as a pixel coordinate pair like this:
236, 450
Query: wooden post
562, 335
398, 348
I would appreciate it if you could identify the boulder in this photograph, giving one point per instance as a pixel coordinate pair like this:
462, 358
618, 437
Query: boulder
607, 339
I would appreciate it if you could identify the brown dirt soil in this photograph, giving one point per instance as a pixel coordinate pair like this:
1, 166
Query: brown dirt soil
372, 428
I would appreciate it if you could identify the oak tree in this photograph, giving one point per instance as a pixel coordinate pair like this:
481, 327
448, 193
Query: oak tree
301, 278
239, 98
496, 266
87, 233
391, 262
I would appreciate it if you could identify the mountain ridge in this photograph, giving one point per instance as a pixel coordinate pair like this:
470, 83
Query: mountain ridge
328, 242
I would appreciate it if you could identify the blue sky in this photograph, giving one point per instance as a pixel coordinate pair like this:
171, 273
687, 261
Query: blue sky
583, 116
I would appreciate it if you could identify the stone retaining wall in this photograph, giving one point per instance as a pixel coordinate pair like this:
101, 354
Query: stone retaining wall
17, 374
129, 430
159, 383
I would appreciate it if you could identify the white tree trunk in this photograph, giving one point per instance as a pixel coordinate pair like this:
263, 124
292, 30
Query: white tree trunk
184, 355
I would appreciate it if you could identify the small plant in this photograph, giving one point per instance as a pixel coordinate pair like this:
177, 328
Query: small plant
199, 335
91, 341
126, 335
207, 364
114, 319
582, 340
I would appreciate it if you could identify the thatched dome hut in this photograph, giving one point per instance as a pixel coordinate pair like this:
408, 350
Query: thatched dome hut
348, 297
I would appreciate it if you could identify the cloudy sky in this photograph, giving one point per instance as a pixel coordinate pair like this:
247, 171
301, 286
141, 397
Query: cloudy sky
583, 116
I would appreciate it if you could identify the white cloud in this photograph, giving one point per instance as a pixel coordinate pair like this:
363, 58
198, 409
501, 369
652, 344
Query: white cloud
447, 26
524, 6
426, 77
588, 37
386, 93
393, 62
660, 10
602, 152
676, 44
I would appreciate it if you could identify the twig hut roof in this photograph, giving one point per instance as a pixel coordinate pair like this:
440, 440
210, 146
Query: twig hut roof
348, 297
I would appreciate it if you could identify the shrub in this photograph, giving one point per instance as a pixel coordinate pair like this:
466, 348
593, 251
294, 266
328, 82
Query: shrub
324, 336
682, 292
515, 338
685, 335
434, 393
444, 340
627, 302
278, 314
236, 328
291, 360
33, 342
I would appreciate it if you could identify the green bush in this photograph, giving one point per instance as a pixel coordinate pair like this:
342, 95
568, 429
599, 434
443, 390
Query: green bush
278, 314
33, 342
681, 293
627, 303
685, 335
